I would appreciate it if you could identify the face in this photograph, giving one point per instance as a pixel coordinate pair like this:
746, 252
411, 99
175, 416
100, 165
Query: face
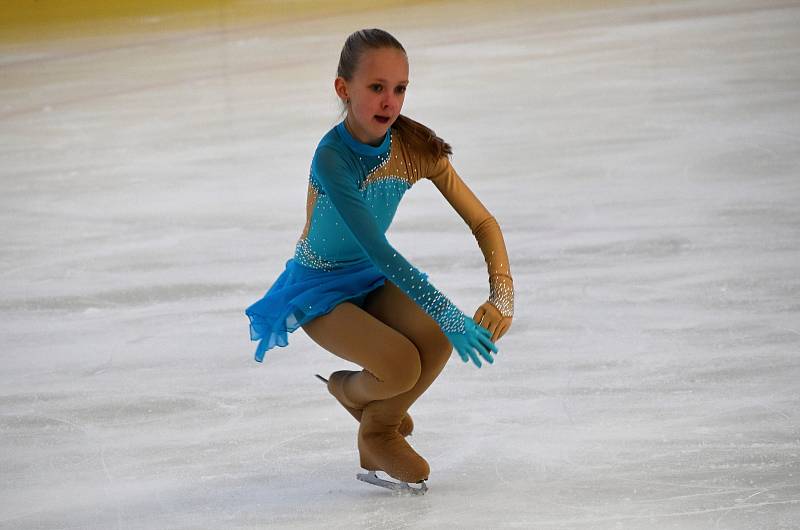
376, 93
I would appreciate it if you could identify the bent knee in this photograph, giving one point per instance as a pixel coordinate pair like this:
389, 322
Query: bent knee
440, 345
435, 347
401, 369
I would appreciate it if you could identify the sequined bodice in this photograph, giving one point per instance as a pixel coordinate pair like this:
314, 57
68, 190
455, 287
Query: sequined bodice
353, 193
326, 243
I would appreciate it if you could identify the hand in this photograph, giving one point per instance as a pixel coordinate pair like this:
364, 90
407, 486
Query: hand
490, 318
473, 342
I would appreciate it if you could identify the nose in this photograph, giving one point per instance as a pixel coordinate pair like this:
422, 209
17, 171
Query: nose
390, 101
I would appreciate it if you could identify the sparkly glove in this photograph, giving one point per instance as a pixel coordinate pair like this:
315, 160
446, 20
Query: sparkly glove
472, 342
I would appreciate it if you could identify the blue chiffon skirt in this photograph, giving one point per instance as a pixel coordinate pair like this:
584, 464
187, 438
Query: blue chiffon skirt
301, 294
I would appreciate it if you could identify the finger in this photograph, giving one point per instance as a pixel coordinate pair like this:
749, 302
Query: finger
501, 330
479, 315
486, 355
474, 357
498, 332
488, 344
492, 327
483, 346
463, 356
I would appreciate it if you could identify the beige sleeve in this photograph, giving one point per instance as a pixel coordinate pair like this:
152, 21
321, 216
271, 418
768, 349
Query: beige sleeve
485, 229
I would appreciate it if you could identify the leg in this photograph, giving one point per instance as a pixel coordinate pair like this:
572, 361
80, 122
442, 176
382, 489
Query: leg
391, 366
393, 307
391, 361
378, 444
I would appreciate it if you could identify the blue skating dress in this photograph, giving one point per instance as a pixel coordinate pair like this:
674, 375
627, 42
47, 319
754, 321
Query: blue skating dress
342, 254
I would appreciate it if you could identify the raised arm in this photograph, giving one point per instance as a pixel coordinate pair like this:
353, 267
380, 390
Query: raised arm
490, 240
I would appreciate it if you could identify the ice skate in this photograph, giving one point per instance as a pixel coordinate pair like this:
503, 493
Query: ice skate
400, 487
381, 448
335, 388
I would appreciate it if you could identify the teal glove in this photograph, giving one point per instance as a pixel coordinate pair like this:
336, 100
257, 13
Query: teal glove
476, 340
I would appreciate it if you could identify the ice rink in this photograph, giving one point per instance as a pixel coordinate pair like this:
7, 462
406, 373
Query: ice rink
641, 157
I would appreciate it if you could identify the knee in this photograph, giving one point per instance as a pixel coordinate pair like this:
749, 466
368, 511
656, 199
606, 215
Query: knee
442, 345
402, 369
438, 346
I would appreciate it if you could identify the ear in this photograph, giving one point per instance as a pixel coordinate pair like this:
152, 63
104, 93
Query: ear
340, 86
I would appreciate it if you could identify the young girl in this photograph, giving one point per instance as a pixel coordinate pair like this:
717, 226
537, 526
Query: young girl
351, 291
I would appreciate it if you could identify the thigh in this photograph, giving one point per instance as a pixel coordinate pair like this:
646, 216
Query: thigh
353, 334
392, 306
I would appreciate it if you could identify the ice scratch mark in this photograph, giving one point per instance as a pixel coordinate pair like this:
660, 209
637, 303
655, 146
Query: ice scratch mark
110, 480
719, 519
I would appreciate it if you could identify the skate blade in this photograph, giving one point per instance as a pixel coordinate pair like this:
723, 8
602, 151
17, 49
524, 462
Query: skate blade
321, 378
400, 487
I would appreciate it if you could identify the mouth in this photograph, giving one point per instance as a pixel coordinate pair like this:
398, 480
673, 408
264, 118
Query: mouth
382, 119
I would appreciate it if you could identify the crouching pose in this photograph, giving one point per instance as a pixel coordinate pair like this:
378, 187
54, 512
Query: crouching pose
352, 292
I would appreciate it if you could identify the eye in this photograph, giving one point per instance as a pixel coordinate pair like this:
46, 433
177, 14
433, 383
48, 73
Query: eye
401, 89
376, 87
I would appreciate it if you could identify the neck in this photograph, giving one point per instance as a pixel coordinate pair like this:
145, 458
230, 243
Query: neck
360, 136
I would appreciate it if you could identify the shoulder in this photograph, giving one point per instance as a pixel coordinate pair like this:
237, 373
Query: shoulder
427, 165
332, 164
330, 142
331, 150
439, 168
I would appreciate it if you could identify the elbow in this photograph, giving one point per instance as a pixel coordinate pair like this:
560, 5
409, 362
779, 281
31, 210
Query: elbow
488, 224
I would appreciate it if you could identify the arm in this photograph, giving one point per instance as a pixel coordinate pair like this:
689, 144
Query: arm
499, 308
337, 181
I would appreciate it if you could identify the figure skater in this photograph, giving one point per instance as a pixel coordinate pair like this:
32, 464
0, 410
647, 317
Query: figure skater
351, 291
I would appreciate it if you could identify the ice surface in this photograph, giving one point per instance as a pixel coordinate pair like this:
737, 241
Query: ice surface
642, 159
